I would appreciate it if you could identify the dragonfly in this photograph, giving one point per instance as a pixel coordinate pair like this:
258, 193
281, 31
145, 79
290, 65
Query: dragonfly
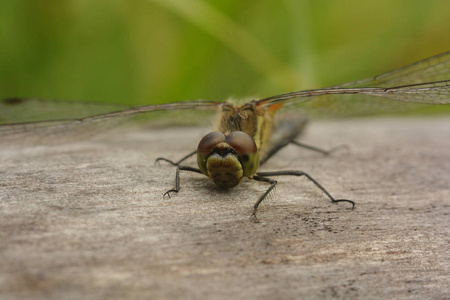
246, 136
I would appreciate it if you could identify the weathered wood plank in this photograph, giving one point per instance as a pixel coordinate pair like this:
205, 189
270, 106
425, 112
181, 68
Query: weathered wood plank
88, 220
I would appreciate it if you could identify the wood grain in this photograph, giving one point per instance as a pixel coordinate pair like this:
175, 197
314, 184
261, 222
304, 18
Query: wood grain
88, 220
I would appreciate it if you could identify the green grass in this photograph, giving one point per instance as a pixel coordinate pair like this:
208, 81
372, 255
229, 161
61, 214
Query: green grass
144, 52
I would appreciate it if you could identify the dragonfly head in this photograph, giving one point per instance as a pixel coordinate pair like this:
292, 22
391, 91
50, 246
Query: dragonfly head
226, 159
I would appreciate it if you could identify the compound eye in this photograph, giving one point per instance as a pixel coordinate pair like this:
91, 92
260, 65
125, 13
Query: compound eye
241, 142
209, 141
246, 148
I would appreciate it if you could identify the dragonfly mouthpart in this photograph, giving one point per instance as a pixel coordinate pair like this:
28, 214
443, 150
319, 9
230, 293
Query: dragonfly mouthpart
225, 170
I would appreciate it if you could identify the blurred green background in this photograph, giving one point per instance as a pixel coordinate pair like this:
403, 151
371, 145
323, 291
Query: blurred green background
153, 51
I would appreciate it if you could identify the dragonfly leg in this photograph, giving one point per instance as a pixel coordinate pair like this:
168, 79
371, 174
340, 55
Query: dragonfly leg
177, 178
262, 176
272, 151
273, 183
177, 163
320, 150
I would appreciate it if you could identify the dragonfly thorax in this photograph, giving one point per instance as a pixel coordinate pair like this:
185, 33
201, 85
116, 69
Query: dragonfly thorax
226, 159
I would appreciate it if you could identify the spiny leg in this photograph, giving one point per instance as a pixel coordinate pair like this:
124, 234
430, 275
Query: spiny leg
177, 163
262, 176
301, 173
177, 178
273, 183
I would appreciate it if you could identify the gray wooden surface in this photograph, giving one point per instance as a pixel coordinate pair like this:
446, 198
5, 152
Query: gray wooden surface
88, 221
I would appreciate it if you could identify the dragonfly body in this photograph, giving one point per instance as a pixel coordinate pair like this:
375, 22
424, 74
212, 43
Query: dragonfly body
232, 153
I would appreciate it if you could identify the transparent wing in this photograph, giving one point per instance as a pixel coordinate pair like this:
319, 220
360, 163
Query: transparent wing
15, 110
62, 121
420, 84
435, 68
412, 87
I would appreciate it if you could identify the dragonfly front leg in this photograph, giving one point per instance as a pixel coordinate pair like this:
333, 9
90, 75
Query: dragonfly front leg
177, 178
262, 176
273, 183
177, 163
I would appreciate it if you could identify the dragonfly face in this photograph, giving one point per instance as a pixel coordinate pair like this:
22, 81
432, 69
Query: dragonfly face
226, 159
